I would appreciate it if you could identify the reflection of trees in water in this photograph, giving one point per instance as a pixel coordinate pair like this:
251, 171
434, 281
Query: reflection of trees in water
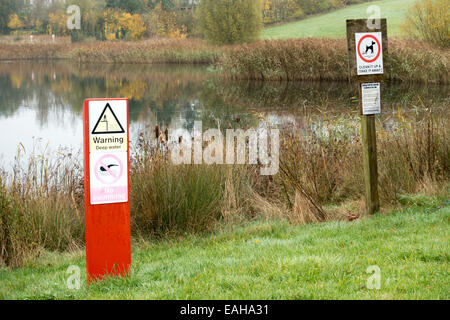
318, 97
34, 93
164, 95
47, 103
11, 96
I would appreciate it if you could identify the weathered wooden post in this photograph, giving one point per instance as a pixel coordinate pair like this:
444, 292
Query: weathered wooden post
367, 50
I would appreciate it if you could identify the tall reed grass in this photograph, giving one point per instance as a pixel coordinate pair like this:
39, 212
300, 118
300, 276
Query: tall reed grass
172, 199
325, 160
41, 200
41, 206
189, 51
274, 60
326, 59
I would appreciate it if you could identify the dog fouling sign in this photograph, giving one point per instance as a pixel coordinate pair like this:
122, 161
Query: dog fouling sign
369, 53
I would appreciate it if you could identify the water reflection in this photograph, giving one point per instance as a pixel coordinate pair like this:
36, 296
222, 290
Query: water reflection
44, 100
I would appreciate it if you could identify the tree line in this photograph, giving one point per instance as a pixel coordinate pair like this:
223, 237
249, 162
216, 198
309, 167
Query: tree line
103, 19
138, 19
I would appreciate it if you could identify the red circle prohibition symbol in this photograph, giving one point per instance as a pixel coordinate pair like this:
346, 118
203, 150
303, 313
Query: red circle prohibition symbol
100, 163
359, 48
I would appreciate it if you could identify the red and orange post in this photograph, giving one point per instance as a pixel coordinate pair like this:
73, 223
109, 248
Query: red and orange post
106, 185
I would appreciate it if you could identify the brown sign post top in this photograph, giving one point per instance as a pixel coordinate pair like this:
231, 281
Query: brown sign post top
360, 26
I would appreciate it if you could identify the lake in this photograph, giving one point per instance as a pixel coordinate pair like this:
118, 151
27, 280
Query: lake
41, 103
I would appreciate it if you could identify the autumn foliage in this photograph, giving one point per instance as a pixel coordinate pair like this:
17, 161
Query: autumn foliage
230, 21
429, 20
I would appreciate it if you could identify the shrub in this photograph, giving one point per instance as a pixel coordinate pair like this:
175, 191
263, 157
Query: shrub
165, 23
175, 199
15, 22
281, 10
230, 21
429, 20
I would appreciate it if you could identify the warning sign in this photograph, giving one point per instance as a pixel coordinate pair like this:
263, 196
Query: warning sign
371, 98
108, 125
369, 53
109, 178
106, 188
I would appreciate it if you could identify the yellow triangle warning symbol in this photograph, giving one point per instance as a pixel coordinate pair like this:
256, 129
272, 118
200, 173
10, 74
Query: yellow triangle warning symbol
108, 123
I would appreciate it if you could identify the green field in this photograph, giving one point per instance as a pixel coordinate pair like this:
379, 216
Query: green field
332, 25
270, 260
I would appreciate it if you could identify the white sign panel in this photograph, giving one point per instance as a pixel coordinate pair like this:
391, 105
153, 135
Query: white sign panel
108, 126
371, 98
109, 177
108, 151
369, 53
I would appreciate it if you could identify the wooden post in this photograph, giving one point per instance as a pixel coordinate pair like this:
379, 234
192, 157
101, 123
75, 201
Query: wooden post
366, 51
369, 137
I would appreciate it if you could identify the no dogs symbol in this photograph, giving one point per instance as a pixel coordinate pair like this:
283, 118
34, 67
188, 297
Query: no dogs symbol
369, 48
369, 53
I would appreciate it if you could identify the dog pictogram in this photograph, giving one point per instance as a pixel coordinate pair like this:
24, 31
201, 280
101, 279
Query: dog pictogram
370, 47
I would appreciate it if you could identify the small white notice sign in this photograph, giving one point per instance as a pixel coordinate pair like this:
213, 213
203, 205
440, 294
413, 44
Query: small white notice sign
371, 98
369, 53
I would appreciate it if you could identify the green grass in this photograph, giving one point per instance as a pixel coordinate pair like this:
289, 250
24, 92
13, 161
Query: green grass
270, 260
332, 25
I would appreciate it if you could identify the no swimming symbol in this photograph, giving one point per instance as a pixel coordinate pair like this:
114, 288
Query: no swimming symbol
109, 169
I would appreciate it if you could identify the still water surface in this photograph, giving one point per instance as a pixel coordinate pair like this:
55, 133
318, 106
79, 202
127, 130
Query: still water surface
41, 103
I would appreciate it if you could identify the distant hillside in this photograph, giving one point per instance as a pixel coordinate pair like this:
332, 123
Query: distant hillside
332, 24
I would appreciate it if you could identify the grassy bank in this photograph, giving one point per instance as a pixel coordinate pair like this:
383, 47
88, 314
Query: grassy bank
332, 25
269, 260
41, 201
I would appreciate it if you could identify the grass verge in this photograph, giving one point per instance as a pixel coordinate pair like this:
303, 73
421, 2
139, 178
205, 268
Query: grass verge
332, 25
270, 260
